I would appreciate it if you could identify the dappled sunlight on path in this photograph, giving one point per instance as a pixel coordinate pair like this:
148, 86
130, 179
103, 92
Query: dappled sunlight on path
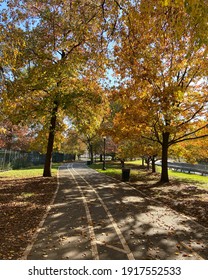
97, 217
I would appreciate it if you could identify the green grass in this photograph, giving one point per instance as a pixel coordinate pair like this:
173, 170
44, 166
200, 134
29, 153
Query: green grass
27, 195
186, 177
114, 170
34, 171
134, 162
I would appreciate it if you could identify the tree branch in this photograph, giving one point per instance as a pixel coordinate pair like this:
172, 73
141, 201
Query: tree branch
118, 4
192, 117
182, 77
192, 77
152, 139
185, 136
191, 138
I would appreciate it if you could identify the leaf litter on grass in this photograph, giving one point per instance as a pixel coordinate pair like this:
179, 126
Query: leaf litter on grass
23, 203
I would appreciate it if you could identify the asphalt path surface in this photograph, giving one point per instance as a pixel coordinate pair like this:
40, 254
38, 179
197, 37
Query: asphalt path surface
97, 217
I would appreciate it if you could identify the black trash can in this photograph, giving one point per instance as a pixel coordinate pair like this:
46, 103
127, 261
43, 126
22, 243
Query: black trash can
125, 174
89, 162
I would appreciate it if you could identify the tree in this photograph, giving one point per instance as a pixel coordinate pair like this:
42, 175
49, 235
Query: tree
72, 143
161, 59
15, 137
194, 151
54, 43
89, 115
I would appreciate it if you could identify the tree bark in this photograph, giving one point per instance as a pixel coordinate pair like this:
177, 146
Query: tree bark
51, 136
153, 164
91, 152
143, 160
164, 173
122, 163
148, 162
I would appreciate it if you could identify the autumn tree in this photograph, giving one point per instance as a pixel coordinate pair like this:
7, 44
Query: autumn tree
15, 137
72, 143
89, 115
130, 142
194, 151
161, 60
53, 45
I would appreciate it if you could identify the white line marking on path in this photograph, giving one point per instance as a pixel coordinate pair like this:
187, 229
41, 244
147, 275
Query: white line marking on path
95, 254
117, 229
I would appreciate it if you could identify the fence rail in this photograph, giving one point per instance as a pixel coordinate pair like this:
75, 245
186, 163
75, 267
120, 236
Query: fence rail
188, 167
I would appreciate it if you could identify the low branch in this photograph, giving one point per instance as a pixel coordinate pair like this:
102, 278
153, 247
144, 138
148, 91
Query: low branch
191, 138
185, 136
192, 117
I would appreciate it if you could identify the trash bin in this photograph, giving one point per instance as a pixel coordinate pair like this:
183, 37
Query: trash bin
125, 174
89, 162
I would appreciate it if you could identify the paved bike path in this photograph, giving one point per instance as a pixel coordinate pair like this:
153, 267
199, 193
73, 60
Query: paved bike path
97, 217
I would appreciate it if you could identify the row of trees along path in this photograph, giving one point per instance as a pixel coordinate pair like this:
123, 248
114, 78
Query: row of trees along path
54, 55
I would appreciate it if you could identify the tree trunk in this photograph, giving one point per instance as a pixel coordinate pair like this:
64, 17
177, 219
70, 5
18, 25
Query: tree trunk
153, 164
122, 163
51, 136
143, 160
148, 162
101, 158
91, 152
164, 174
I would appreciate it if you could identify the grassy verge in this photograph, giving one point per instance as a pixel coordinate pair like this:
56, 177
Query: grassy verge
140, 174
34, 171
187, 178
112, 169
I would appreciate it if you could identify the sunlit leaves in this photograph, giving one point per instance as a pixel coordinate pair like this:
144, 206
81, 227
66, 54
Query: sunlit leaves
161, 58
53, 65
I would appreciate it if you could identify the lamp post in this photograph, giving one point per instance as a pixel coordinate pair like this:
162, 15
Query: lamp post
104, 143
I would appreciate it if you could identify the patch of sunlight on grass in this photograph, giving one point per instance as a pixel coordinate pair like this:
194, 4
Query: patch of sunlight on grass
34, 171
114, 169
202, 181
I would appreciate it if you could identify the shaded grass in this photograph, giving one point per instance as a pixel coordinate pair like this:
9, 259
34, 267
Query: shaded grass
28, 172
114, 169
199, 180
139, 173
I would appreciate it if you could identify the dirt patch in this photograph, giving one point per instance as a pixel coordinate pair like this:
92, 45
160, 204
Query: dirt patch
23, 203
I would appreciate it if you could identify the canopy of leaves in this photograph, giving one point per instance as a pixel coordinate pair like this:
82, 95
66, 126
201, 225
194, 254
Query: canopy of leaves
161, 59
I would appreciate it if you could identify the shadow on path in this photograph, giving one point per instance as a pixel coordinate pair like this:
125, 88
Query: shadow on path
119, 221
